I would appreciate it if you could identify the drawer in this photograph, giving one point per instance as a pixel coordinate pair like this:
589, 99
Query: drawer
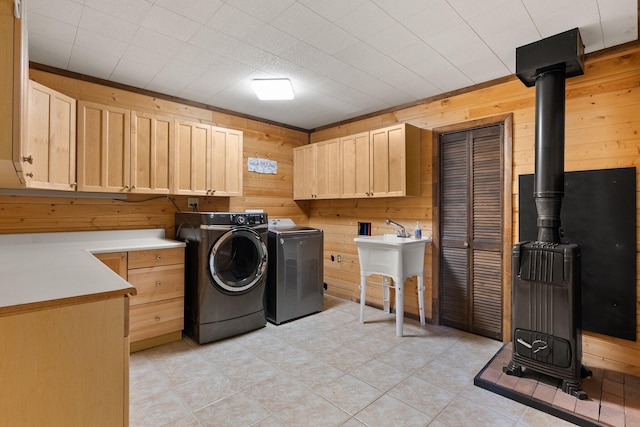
156, 318
153, 257
157, 283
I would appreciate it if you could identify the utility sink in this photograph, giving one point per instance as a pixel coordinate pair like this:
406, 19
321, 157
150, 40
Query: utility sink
395, 257
391, 255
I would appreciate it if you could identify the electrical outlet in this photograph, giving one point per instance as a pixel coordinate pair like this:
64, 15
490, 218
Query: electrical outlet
192, 202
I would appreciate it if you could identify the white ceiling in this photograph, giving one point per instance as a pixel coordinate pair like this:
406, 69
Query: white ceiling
345, 58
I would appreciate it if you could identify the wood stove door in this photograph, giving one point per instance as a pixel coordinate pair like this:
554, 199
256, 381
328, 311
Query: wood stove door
471, 230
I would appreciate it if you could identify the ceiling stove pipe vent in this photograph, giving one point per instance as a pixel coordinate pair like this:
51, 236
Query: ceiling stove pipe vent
546, 64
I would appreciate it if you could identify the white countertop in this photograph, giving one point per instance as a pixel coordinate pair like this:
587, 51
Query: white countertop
43, 269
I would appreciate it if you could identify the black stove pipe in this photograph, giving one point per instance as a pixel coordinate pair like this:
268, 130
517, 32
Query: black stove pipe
549, 151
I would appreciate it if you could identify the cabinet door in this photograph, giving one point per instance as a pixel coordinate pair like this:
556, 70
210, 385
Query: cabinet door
387, 159
103, 148
116, 261
50, 143
13, 89
152, 139
328, 174
354, 151
192, 155
304, 172
66, 365
226, 163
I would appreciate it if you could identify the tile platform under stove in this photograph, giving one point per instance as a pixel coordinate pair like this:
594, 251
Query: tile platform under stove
613, 397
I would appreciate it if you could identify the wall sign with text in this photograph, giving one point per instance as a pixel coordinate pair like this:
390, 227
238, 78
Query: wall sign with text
262, 166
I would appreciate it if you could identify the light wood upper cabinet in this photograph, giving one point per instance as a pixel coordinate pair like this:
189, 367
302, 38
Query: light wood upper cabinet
104, 144
329, 176
13, 90
304, 172
316, 171
152, 139
226, 162
380, 163
208, 160
120, 150
355, 165
49, 150
394, 160
191, 158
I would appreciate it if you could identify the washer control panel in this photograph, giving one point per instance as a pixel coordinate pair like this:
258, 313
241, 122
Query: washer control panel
248, 218
236, 218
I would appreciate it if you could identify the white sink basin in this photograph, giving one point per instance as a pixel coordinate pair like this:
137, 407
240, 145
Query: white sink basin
386, 238
391, 255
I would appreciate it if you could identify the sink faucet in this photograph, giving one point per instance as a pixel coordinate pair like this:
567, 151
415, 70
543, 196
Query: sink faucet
401, 232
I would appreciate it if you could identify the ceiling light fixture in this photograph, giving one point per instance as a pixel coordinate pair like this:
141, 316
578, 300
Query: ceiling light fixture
272, 89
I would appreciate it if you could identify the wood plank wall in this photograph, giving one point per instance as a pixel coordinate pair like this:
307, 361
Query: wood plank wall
602, 131
273, 193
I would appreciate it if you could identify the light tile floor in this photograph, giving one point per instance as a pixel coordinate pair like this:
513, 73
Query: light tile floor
326, 369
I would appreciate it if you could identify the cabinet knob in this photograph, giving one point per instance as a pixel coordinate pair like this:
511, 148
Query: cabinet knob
158, 283
157, 318
30, 174
73, 185
158, 257
124, 259
133, 187
28, 159
125, 188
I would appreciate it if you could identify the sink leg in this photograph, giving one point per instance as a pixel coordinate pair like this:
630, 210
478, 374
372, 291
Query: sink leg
421, 298
385, 294
399, 285
363, 295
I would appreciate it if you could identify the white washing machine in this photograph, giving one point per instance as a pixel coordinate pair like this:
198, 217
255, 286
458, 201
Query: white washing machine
225, 272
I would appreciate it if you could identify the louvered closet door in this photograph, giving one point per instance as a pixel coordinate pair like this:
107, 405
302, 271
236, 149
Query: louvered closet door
471, 231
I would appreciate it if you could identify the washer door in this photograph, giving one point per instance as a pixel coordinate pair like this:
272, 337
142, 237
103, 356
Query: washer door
238, 260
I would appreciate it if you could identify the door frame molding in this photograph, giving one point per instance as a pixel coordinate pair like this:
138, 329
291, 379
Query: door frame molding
506, 164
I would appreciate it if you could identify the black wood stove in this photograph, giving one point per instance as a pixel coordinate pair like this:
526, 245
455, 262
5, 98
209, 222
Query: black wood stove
546, 300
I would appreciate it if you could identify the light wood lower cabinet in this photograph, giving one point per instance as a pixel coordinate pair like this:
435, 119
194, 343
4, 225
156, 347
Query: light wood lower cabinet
66, 365
156, 313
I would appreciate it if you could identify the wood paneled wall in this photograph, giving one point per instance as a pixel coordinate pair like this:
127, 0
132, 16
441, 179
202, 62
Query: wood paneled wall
602, 131
273, 193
